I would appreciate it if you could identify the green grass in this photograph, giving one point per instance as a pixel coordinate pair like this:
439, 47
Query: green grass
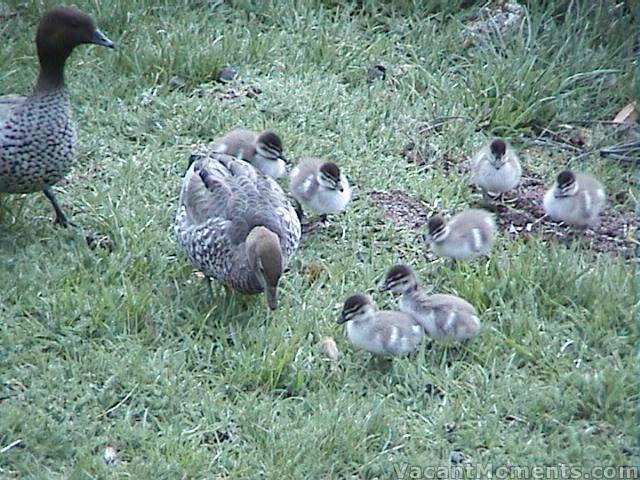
226, 389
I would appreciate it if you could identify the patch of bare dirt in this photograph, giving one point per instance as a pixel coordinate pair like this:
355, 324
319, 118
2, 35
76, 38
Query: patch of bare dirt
227, 93
402, 209
523, 217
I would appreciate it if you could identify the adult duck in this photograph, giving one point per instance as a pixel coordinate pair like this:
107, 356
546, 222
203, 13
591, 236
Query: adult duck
236, 225
37, 136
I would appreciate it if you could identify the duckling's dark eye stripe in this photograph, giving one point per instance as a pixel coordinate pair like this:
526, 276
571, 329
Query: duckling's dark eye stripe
329, 178
273, 151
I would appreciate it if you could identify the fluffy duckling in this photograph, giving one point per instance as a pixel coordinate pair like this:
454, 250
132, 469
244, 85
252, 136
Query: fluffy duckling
468, 235
576, 199
444, 317
262, 150
496, 168
320, 187
37, 135
236, 225
381, 332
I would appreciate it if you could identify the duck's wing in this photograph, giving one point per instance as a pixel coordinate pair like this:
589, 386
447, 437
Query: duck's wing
8, 103
206, 192
267, 205
231, 190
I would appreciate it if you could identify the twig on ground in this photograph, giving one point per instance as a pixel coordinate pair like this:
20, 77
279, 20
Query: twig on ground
11, 445
120, 403
597, 122
439, 122
629, 151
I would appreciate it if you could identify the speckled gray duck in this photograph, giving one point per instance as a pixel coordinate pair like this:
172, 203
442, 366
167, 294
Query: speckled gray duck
37, 135
236, 224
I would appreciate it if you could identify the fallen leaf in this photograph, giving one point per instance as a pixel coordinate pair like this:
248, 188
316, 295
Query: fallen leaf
329, 348
629, 114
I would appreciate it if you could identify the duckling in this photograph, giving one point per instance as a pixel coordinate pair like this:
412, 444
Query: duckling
468, 235
236, 225
380, 332
262, 150
37, 135
319, 186
444, 317
576, 199
496, 168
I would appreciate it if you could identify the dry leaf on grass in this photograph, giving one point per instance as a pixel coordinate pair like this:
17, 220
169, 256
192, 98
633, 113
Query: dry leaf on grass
628, 115
330, 349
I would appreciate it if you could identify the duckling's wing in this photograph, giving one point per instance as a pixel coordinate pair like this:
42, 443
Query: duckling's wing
238, 143
481, 156
303, 182
443, 302
591, 197
399, 332
8, 103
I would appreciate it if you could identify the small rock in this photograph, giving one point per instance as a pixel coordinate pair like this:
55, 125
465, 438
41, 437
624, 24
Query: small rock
450, 427
498, 19
621, 197
177, 83
602, 428
110, 455
456, 457
433, 390
400, 70
227, 74
100, 241
377, 72
314, 269
581, 138
253, 92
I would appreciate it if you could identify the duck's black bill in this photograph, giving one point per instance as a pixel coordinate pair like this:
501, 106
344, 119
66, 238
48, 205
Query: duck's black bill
100, 39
